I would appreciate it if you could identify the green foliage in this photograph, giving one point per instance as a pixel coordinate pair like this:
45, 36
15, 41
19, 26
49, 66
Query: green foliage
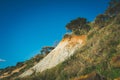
102, 20
67, 36
104, 69
46, 49
100, 49
117, 19
78, 25
112, 12
20, 64
92, 33
7, 69
102, 44
29, 63
114, 8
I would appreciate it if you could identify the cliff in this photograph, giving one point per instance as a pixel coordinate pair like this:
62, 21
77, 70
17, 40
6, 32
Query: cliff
64, 50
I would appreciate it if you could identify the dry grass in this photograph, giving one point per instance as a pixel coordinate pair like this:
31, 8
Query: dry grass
6, 74
90, 76
115, 61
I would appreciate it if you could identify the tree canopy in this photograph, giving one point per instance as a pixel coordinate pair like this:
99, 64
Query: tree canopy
46, 49
113, 8
101, 19
78, 23
111, 12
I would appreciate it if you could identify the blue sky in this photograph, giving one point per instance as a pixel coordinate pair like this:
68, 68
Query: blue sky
28, 25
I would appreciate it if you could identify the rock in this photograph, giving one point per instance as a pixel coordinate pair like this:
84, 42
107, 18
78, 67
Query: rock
64, 50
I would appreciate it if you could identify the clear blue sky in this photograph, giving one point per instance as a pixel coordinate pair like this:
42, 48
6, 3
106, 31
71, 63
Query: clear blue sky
28, 25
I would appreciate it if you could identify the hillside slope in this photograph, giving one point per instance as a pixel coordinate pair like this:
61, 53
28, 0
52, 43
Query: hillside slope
94, 56
65, 49
98, 59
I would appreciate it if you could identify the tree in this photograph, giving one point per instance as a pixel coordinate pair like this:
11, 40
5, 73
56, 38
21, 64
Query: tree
113, 8
101, 20
19, 64
112, 11
77, 24
46, 49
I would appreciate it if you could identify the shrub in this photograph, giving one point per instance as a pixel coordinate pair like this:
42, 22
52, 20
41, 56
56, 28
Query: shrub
115, 61
78, 25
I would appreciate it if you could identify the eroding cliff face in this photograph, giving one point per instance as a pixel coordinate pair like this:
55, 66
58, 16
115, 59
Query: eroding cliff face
64, 50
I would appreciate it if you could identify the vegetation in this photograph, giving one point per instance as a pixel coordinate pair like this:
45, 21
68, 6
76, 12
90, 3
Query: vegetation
46, 49
99, 55
111, 12
23, 66
98, 59
102, 20
114, 8
78, 26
